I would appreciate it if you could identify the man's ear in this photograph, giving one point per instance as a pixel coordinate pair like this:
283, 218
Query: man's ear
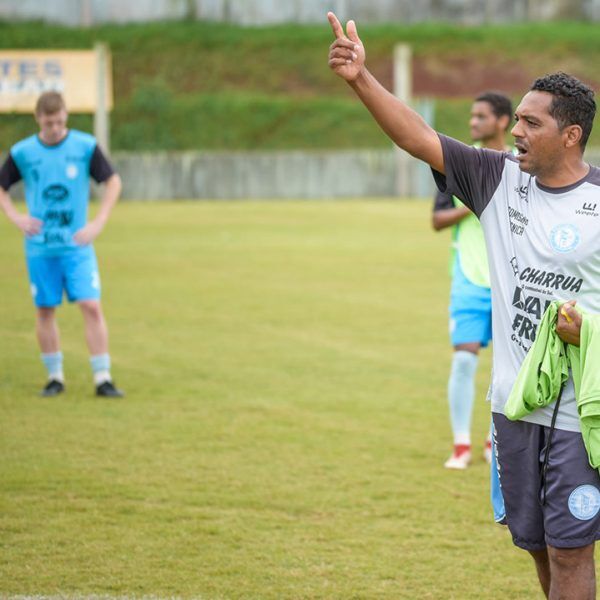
572, 135
504, 122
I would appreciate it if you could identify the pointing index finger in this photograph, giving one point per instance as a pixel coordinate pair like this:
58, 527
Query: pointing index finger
335, 25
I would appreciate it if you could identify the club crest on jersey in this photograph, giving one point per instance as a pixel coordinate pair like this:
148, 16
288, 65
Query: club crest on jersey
564, 238
584, 502
72, 171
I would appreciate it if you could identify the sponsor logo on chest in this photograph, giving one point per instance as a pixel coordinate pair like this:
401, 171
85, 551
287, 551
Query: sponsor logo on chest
522, 192
518, 221
534, 291
588, 209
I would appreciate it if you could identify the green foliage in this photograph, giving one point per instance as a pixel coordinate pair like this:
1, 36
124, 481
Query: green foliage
187, 85
285, 423
152, 98
145, 124
245, 121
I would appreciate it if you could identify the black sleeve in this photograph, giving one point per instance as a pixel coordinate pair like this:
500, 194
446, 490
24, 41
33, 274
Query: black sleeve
472, 174
100, 168
443, 201
9, 173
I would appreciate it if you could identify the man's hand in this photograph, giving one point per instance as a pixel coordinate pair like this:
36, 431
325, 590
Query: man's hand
347, 53
28, 225
568, 325
402, 124
86, 235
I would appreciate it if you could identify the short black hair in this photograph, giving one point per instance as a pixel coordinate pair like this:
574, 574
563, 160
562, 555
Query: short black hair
573, 102
501, 104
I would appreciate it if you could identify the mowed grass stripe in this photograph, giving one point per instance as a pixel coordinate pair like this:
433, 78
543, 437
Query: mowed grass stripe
285, 421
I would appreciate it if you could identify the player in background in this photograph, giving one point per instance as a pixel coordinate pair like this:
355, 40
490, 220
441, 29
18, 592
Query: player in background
56, 165
470, 298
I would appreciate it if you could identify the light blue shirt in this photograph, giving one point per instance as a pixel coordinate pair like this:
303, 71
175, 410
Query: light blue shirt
57, 189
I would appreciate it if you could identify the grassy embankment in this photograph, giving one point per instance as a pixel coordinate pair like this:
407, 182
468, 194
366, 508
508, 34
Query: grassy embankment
212, 86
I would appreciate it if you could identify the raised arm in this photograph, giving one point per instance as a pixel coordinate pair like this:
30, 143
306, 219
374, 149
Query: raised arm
403, 125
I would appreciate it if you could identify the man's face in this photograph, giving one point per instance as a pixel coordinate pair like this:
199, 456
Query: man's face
537, 136
483, 123
53, 126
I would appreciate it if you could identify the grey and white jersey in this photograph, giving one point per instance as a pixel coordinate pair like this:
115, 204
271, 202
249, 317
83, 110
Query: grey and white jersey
543, 244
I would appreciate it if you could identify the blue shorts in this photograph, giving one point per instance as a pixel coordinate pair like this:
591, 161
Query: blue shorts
75, 272
470, 324
470, 311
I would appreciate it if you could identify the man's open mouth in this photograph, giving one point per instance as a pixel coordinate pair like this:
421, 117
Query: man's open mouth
521, 149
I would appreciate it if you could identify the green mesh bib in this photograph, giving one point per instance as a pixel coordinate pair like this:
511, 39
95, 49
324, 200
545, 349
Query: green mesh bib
470, 244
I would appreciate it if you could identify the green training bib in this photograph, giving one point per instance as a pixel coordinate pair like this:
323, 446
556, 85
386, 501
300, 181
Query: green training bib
472, 253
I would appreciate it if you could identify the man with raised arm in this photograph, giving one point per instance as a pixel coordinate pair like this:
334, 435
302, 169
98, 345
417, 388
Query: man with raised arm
538, 214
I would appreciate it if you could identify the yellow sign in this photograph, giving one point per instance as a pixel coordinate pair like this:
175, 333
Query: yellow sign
25, 74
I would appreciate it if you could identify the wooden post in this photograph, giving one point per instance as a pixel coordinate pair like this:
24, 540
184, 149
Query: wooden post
422, 181
403, 91
101, 116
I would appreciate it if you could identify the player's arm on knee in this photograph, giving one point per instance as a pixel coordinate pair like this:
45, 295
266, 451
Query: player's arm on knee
400, 122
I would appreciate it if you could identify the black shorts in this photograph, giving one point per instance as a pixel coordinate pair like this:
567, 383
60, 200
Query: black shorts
567, 513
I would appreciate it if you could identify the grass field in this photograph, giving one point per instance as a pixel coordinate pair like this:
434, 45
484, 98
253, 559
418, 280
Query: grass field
285, 421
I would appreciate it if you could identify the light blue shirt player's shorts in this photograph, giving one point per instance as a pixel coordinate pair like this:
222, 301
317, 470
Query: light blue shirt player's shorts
74, 272
470, 310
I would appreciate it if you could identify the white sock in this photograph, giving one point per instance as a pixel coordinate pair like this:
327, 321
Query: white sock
100, 364
101, 376
53, 361
461, 392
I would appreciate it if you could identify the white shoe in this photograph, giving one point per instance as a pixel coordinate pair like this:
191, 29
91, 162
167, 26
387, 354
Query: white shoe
459, 460
487, 452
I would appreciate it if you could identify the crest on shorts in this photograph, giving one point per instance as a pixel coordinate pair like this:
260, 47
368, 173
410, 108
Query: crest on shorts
584, 502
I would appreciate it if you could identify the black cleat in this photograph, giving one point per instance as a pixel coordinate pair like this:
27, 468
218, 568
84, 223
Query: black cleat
53, 388
107, 389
